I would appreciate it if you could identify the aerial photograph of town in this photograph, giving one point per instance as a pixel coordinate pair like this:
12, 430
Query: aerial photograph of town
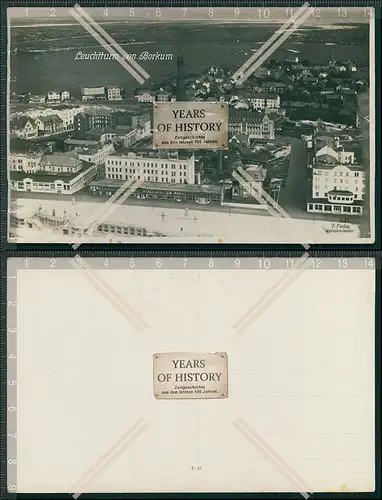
297, 164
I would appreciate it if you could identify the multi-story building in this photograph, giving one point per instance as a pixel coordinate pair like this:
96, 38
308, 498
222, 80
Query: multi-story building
96, 154
197, 193
67, 116
24, 162
145, 96
65, 95
254, 125
338, 155
84, 122
58, 173
265, 101
60, 162
24, 127
151, 168
338, 189
53, 96
113, 93
93, 93
50, 125
142, 121
125, 135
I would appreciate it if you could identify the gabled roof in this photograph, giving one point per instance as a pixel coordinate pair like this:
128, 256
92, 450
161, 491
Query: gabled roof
327, 150
50, 119
22, 121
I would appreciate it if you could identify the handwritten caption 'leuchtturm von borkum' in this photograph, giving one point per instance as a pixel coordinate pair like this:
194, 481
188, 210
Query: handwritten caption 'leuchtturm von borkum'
190, 125
190, 375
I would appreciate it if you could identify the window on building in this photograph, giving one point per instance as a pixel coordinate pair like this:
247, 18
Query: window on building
327, 208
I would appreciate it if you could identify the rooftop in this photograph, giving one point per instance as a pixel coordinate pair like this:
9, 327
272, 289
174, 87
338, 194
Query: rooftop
265, 95
92, 149
95, 112
245, 115
324, 166
358, 203
21, 122
47, 177
50, 119
61, 160
80, 142
162, 186
151, 154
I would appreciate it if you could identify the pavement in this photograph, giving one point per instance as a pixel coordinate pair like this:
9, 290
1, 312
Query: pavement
193, 226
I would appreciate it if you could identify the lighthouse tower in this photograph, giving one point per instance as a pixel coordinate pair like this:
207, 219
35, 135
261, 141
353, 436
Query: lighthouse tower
180, 84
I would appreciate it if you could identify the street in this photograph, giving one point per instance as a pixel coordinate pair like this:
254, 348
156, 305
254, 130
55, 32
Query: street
293, 196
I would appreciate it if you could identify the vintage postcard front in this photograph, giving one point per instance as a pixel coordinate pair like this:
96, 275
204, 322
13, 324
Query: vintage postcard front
191, 125
190, 375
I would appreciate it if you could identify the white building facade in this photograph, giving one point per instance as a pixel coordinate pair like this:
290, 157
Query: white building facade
114, 93
266, 101
151, 169
53, 96
65, 95
145, 97
93, 93
338, 189
24, 162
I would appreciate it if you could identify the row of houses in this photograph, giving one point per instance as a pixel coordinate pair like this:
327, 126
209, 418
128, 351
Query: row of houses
107, 125
253, 124
74, 119
91, 93
147, 96
67, 173
261, 101
101, 93
26, 127
50, 97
